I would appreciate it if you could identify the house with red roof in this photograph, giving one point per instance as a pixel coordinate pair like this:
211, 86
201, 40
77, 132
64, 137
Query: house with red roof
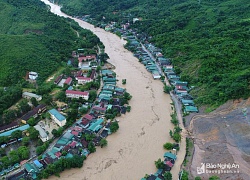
169, 164
87, 117
100, 110
84, 143
85, 58
77, 94
85, 123
83, 80
68, 81
73, 144
75, 133
78, 73
58, 154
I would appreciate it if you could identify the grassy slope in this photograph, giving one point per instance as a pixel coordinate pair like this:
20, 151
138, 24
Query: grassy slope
209, 41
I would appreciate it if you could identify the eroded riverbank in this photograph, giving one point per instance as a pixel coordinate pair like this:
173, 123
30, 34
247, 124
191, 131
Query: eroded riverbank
131, 151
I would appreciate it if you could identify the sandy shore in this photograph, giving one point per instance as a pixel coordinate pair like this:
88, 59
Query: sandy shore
131, 151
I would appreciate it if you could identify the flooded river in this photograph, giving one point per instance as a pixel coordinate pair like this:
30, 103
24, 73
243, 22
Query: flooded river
132, 150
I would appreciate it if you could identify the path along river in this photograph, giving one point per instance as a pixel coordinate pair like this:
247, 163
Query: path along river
132, 150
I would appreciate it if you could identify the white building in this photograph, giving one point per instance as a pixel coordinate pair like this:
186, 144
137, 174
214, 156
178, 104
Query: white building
57, 117
42, 134
77, 94
29, 95
33, 75
83, 80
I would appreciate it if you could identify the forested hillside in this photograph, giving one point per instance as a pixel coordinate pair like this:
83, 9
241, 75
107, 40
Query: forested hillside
208, 40
33, 39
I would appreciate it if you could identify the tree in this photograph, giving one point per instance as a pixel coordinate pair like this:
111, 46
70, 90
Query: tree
128, 108
168, 146
167, 89
103, 143
92, 96
6, 162
33, 133
197, 178
177, 137
83, 110
16, 134
214, 178
9, 115
64, 153
4, 139
2, 152
24, 106
55, 133
91, 147
67, 71
31, 121
184, 175
89, 137
13, 157
23, 152
167, 175
114, 126
34, 101
39, 150
159, 164
25, 141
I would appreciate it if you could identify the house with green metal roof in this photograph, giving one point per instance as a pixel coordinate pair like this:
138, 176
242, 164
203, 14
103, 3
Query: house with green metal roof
107, 72
106, 79
96, 126
110, 83
69, 155
170, 155
187, 102
52, 155
188, 109
108, 87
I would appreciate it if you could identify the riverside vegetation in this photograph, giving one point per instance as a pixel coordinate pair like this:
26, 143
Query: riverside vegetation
207, 40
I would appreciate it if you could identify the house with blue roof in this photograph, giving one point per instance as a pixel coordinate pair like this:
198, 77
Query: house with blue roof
57, 117
21, 128
38, 164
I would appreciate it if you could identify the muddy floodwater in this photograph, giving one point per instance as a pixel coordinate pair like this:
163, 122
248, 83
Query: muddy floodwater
132, 150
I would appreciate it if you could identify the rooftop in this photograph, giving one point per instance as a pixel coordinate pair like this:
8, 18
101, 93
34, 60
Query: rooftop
58, 116
42, 132
170, 155
85, 93
68, 80
21, 128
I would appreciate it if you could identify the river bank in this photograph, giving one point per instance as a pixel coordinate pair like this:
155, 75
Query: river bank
138, 143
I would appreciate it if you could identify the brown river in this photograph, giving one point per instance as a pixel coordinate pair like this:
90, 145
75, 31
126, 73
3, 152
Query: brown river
132, 150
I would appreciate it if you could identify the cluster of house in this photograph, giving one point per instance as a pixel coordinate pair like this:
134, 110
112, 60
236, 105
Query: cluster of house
169, 160
155, 62
181, 90
80, 76
74, 141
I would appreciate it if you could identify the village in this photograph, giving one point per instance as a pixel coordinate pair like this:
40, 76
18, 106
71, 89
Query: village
94, 117
162, 69
93, 92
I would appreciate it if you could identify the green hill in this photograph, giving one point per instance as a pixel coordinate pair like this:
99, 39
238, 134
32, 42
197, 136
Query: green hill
208, 40
33, 39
